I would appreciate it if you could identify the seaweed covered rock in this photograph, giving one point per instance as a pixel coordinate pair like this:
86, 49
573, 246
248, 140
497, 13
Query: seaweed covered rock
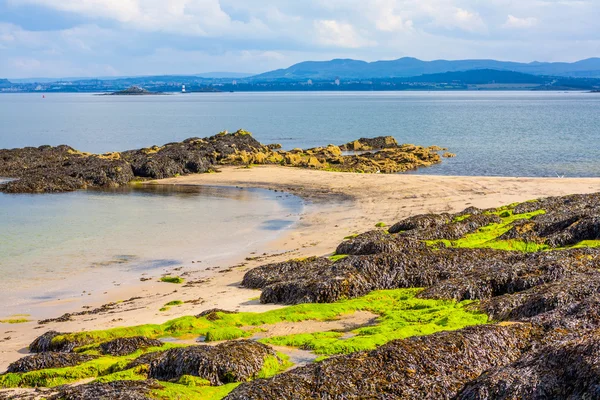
213, 314
44, 343
261, 277
566, 221
375, 242
546, 297
365, 144
194, 155
56, 342
124, 346
442, 227
563, 369
506, 273
118, 390
448, 273
428, 367
40, 361
61, 168
234, 361
145, 359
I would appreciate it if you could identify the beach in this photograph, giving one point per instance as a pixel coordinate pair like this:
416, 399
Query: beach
337, 205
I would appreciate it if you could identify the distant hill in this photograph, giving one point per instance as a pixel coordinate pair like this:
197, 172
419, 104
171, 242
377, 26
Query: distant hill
409, 67
5, 83
223, 75
482, 77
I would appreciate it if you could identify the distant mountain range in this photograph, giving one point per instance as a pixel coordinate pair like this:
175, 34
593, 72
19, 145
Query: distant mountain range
410, 67
402, 74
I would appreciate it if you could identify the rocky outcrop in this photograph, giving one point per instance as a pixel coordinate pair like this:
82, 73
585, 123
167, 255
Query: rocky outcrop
567, 220
368, 144
567, 368
44, 343
124, 346
41, 361
429, 367
62, 168
118, 390
235, 361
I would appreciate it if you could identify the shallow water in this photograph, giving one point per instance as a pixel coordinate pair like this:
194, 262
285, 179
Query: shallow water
50, 242
492, 133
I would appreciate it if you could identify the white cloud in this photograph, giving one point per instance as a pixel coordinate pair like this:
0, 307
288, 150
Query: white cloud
339, 34
520, 23
257, 35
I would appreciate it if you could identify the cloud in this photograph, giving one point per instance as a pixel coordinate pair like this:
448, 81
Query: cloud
520, 23
130, 36
339, 34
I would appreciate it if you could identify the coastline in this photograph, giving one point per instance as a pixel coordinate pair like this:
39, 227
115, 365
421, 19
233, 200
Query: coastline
339, 204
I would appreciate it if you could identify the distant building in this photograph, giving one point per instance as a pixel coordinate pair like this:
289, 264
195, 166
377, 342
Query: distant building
337, 82
234, 83
310, 82
182, 88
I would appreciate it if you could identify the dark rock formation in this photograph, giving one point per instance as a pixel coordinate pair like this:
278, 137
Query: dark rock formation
429, 367
234, 361
460, 274
61, 168
125, 346
118, 390
44, 343
367, 144
213, 314
37, 362
568, 220
565, 369
375, 242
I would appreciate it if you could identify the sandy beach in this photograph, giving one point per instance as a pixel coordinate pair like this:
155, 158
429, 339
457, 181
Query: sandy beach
338, 205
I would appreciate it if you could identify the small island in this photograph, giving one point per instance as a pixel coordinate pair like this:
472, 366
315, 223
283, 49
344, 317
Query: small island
134, 91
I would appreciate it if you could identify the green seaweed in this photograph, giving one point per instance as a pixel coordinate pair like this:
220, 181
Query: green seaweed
337, 257
380, 225
14, 321
487, 237
172, 279
401, 315
105, 367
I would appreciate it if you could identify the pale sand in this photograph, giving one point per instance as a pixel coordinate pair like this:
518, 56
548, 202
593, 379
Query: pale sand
340, 204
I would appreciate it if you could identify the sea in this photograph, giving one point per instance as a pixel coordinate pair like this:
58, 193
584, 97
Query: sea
47, 240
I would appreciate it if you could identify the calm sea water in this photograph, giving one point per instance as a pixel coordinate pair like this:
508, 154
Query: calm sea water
55, 246
104, 237
493, 133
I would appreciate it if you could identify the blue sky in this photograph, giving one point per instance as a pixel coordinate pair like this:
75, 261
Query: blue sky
60, 38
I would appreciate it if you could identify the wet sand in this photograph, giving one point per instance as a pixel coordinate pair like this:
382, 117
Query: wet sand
339, 204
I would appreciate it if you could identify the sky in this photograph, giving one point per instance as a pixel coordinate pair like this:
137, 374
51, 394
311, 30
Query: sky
79, 38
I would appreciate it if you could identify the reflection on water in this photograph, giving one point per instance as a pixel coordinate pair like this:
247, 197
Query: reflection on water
45, 239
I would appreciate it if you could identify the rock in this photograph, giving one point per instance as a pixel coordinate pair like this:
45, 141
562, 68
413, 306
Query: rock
51, 342
124, 346
41, 361
62, 168
375, 242
365, 144
44, 343
568, 220
377, 261
564, 369
234, 361
428, 367
118, 390
213, 314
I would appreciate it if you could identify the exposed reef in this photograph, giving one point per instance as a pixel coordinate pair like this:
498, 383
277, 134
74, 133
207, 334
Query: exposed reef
62, 168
